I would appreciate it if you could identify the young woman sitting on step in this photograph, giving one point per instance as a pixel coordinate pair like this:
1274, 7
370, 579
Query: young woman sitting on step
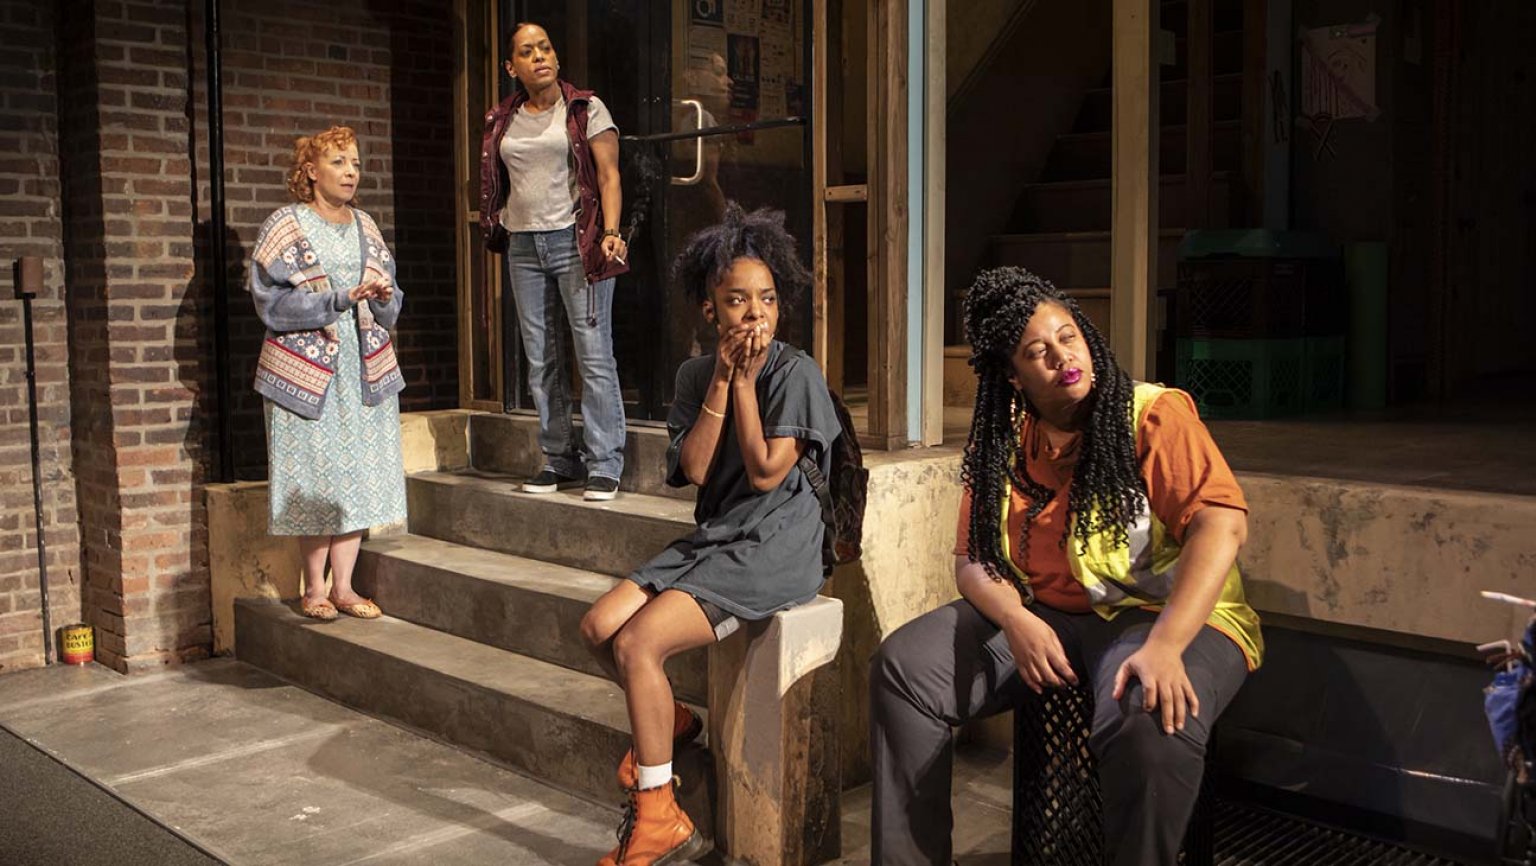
740, 421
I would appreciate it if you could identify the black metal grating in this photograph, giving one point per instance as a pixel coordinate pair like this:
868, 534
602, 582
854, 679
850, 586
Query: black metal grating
1057, 822
1055, 781
1057, 806
1251, 836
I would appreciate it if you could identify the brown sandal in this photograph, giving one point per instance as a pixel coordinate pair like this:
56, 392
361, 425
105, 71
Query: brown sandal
364, 609
322, 610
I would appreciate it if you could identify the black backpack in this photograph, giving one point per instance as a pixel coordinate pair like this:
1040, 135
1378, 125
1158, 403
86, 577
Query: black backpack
842, 496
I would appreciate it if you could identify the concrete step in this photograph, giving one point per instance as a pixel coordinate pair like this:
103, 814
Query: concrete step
509, 444
522, 605
562, 727
1086, 155
1084, 205
1077, 259
1226, 102
489, 511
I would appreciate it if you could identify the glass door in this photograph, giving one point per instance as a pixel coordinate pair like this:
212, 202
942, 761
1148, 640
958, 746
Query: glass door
710, 97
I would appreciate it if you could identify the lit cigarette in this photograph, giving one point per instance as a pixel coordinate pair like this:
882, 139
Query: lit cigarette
1506, 597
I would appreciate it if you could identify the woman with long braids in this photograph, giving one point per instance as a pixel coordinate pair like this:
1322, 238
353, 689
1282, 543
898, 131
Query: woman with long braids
1097, 545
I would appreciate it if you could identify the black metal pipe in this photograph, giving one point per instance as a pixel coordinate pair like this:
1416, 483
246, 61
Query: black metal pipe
28, 274
216, 228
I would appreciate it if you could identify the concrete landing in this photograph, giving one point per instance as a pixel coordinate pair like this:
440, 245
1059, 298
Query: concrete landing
257, 771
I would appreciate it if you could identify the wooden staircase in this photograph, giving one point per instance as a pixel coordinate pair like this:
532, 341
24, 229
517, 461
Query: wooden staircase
1060, 224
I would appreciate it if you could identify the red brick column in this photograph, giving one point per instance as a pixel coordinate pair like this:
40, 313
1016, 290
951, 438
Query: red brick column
139, 354
30, 225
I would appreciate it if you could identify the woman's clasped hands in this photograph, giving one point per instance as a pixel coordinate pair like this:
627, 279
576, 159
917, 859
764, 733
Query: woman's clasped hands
380, 289
741, 352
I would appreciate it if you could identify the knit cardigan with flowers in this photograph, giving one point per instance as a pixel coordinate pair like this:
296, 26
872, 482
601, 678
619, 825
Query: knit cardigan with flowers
298, 304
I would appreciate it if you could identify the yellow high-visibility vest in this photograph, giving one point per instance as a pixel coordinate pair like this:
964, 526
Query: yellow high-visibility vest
1139, 572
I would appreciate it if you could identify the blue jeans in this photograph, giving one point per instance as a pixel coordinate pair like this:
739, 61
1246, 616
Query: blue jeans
551, 289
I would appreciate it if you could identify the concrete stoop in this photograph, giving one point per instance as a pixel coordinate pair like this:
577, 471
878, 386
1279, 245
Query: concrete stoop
481, 647
488, 511
509, 444
562, 727
522, 605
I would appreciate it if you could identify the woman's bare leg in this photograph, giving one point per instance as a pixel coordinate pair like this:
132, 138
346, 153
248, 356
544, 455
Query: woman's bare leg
344, 550
669, 624
606, 617
315, 550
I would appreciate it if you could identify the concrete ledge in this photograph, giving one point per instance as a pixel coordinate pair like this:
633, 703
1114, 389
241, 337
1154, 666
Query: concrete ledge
1390, 557
959, 381
435, 441
1378, 562
243, 560
907, 570
773, 732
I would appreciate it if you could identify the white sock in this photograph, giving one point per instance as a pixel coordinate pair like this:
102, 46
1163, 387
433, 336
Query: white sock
654, 777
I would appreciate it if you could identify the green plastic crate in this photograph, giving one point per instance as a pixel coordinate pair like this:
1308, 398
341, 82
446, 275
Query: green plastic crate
1234, 379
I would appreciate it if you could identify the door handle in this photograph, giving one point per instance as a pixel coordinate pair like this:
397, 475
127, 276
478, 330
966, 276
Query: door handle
698, 146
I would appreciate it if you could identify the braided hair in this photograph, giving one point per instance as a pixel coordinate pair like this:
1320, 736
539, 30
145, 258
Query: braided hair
760, 235
1107, 490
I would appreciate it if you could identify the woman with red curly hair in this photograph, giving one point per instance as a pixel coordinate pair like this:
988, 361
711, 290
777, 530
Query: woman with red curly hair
324, 284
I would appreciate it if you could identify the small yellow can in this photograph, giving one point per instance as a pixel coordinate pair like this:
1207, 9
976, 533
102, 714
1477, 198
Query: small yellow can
79, 644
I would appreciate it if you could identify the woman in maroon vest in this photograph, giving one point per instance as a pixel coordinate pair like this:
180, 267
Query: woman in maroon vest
550, 201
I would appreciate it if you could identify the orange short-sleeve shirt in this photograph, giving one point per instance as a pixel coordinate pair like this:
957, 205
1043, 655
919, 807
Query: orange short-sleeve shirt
1180, 464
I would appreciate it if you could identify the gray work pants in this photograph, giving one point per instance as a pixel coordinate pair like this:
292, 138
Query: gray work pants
950, 666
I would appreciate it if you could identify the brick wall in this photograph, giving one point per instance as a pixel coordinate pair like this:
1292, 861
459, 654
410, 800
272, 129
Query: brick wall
30, 225
386, 71
104, 174
139, 347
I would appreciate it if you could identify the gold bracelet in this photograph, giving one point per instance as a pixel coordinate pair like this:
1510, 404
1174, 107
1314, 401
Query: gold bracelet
709, 411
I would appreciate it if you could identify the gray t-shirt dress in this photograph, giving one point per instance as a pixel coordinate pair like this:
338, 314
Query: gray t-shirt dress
752, 553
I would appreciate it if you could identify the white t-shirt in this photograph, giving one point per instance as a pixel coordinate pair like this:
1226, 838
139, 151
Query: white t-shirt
537, 153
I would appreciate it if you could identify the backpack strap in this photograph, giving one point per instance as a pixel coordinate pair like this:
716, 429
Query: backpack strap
813, 473
819, 486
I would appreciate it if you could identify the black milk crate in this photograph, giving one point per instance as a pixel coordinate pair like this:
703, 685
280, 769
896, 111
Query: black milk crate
1259, 298
1253, 379
1248, 284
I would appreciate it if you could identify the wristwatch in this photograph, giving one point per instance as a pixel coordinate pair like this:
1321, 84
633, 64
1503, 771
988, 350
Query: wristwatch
611, 233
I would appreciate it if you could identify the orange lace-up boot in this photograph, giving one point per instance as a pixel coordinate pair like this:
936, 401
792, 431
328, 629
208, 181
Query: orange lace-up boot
686, 727
655, 831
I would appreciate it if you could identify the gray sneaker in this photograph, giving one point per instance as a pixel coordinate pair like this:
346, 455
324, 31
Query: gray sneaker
549, 481
600, 489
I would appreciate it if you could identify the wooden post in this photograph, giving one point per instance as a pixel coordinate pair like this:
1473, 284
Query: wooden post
935, 110
820, 271
1133, 222
463, 239
1199, 33
887, 249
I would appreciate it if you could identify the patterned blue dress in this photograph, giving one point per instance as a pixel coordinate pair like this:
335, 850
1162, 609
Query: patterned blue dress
343, 471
